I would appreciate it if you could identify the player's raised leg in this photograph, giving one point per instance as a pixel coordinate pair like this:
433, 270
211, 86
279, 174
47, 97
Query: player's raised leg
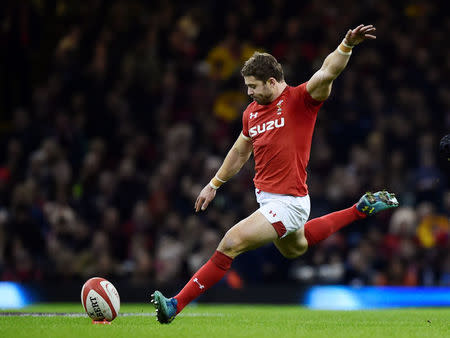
317, 229
248, 234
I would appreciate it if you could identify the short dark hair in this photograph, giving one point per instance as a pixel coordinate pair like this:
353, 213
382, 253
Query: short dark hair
263, 66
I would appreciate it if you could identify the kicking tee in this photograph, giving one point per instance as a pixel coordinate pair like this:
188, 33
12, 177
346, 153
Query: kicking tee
281, 134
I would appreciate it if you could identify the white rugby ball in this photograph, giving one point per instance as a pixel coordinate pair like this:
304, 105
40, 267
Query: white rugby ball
100, 299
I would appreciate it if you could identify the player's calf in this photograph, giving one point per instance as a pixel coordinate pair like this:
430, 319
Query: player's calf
317, 229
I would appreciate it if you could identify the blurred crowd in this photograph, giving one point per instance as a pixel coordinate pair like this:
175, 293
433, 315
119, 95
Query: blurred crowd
115, 114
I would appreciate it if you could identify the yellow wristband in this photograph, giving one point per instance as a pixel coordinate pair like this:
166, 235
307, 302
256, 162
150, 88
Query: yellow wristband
212, 185
340, 51
220, 180
215, 183
347, 45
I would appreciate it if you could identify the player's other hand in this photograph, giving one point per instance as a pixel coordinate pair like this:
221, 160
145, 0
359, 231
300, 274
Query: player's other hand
204, 198
359, 34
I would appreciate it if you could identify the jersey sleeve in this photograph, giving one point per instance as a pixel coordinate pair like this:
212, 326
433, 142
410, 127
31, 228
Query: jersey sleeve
245, 124
312, 105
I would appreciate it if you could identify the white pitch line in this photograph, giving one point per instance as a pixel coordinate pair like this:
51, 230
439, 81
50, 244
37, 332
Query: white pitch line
75, 314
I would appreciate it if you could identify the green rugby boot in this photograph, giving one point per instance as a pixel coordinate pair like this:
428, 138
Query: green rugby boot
372, 203
166, 308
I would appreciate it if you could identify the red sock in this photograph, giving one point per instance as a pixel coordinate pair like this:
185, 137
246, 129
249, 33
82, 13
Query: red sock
320, 228
208, 275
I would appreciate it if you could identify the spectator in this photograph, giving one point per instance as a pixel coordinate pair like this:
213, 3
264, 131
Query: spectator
111, 127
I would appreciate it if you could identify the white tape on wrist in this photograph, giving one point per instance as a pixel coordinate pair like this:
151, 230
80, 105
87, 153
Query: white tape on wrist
346, 45
217, 178
344, 53
212, 185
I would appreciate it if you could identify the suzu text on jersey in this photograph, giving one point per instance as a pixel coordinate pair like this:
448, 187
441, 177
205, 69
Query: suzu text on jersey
266, 126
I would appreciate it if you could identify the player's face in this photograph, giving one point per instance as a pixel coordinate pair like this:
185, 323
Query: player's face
261, 92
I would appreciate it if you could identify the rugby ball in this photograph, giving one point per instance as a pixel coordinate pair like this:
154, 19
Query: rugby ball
100, 299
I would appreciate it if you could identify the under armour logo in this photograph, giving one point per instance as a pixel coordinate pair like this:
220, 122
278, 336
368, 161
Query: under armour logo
253, 115
195, 280
366, 208
273, 214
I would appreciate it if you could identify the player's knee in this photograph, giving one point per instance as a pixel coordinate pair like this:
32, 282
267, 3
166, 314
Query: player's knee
232, 244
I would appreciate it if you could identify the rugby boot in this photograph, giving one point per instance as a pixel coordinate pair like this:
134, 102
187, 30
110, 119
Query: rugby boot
372, 203
166, 308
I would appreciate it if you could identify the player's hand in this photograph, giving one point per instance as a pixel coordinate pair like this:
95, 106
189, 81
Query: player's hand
204, 198
359, 34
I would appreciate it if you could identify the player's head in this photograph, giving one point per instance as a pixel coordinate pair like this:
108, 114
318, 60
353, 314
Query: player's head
262, 73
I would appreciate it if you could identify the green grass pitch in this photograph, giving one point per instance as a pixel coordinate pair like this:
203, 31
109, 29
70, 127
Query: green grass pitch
138, 320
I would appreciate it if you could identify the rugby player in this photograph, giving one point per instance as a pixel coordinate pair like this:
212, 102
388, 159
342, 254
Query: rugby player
277, 127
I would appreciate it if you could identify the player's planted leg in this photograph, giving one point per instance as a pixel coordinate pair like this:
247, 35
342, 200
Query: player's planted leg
248, 234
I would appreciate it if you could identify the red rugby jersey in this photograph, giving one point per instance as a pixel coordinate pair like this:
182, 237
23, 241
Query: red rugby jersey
281, 133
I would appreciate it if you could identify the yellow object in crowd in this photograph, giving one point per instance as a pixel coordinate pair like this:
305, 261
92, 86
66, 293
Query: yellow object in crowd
430, 227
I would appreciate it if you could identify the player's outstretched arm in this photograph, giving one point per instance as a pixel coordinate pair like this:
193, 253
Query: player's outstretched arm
233, 162
319, 86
